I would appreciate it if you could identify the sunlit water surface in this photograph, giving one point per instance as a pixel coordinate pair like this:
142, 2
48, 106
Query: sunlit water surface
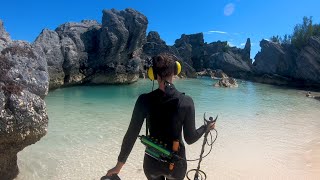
265, 132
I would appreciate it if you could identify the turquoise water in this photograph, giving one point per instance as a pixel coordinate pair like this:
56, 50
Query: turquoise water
265, 132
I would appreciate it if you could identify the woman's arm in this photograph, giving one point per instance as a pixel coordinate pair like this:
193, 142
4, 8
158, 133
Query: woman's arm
138, 115
191, 134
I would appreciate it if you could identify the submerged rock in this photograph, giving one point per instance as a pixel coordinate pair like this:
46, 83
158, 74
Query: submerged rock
214, 74
24, 83
227, 82
218, 74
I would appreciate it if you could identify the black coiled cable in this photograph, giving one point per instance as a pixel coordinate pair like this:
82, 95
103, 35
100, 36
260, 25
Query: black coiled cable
199, 174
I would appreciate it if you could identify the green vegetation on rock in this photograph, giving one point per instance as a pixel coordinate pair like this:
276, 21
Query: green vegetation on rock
301, 34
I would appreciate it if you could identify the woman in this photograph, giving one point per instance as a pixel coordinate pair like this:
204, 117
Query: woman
167, 112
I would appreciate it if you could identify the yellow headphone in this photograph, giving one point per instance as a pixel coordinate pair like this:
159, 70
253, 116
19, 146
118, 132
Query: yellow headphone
153, 76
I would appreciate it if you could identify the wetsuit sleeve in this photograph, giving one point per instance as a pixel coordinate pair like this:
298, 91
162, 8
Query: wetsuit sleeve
191, 134
134, 128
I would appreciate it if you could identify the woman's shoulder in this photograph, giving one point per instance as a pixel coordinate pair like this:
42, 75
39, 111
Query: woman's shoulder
186, 100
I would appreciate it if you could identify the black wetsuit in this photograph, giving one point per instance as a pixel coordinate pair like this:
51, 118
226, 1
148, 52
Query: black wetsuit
167, 113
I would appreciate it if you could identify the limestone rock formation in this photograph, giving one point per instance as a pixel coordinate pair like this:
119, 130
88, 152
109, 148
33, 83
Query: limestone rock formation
230, 63
191, 49
24, 83
88, 52
73, 48
4, 37
155, 45
267, 60
66, 51
120, 45
298, 67
215, 55
49, 41
308, 62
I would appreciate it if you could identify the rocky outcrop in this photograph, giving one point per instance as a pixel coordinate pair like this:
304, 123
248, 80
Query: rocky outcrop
73, 48
49, 42
88, 52
155, 45
245, 53
191, 49
308, 62
197, 54
287, 64
230, 63
120, 45
66, 51
227, 82
269, 58
215, 55
117, 50
4, 37
24, 83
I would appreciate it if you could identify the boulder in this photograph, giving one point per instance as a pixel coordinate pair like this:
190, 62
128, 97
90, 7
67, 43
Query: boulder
227, 82
206, 72
24, 83
214, 74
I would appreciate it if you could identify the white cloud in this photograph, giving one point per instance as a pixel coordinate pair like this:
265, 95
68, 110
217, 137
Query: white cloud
219, 32
231, 44
229, 9
243, 44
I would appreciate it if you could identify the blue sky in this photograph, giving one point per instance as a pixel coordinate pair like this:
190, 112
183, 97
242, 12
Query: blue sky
227, 20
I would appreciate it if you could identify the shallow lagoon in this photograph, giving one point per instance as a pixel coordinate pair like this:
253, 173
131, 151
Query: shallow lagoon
265, 132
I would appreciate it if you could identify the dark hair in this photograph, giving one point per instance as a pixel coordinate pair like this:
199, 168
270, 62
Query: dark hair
164, 65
